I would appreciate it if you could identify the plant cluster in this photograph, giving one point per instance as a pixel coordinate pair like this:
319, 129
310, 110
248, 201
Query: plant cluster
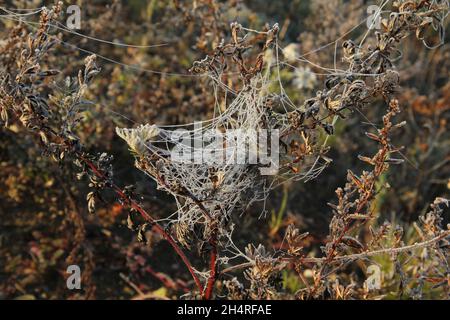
245, 75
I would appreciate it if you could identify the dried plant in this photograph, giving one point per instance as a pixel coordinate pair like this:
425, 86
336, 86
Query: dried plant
245, 74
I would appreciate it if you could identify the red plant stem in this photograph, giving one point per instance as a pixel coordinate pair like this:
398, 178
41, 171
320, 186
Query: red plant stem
156, 226
213, 271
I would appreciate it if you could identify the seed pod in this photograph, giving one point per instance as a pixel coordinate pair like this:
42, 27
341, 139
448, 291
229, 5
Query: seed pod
399, 125
366, 159
352, 242
91, 201
141, 233
130, 223
355, 180
4, 116
333, 206
394, 161
329, 129
357, 216
43, 137
373, 136
48, 73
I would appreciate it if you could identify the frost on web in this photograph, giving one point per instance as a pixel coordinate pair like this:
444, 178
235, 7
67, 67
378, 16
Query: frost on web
208, 191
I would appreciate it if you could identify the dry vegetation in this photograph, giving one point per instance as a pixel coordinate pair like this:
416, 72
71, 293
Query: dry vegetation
360, 112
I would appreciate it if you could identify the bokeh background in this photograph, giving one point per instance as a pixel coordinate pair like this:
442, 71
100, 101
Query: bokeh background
44, 221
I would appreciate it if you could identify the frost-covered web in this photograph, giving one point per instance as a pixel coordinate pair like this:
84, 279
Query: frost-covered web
209, 193
206, 192
220, 188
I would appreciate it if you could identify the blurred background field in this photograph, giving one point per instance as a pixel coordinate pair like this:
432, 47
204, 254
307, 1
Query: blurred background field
43, 211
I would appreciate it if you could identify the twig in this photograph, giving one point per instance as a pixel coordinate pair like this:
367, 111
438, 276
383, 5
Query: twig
351, 257
165, 280
237, 267
156, 226
414, 246
213, 271
131, 284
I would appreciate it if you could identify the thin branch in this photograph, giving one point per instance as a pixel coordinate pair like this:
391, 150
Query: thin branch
351, 257
414, 246
213, 273
156, 226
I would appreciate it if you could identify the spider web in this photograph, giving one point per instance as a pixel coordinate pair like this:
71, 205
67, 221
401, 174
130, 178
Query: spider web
223, 188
